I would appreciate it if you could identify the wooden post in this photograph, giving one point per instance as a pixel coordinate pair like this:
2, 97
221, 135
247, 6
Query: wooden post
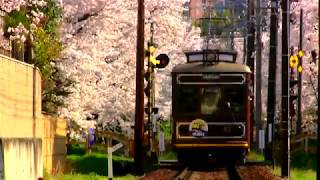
139, 108
272, 79
110, 168
318, 122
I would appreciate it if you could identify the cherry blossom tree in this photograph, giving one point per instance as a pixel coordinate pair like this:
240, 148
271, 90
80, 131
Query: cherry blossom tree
100, 56
10, 5
100, 41
310, 43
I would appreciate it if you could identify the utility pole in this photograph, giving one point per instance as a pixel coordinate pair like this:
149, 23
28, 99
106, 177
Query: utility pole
139, 109
299, 115
284, 128
258, 67
250, 58
272, 80
318, 122
250, 36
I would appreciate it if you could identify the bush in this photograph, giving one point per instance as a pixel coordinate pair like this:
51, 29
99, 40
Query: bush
98, 163
76, 149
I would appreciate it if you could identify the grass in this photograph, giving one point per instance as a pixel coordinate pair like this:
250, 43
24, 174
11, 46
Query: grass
75, 177
255, 155
98, 163
298, 174
303, 166
91, 176
93, 166
166, 128
168, 155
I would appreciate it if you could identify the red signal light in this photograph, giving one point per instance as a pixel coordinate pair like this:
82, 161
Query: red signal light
164, 60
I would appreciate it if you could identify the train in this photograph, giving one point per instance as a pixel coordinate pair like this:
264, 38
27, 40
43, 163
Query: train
211, 107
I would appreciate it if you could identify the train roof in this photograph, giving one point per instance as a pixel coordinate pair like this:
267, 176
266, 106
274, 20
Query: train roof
219, 68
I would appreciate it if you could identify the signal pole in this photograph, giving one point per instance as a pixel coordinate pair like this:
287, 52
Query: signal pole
151, 97
285, 131
272, 80
139, 109
299, 115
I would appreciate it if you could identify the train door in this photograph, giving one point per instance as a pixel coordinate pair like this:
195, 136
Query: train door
1, 161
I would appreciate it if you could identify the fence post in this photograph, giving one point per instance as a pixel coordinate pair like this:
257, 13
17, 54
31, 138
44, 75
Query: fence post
110, 168
306, 144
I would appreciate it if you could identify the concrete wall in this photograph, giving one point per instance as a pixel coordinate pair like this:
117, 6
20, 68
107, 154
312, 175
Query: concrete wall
22, 158
54, 144
1, 161
31, 142
20, 100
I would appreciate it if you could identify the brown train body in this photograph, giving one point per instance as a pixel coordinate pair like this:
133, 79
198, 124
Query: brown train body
211, 114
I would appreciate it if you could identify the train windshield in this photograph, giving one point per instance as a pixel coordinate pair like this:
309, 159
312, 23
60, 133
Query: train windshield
216, 101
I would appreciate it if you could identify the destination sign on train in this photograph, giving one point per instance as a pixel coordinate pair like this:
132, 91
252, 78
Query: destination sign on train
210, 79
211, 56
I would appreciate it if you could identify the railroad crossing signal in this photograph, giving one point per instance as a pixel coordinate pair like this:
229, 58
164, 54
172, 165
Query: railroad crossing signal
300, 54
294, 61
161, 61
300, 69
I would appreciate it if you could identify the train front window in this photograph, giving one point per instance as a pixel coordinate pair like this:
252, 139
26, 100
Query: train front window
210, 98
187, 100
217, 101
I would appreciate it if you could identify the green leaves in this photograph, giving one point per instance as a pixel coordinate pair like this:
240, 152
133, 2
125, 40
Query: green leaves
54, 14
14, 18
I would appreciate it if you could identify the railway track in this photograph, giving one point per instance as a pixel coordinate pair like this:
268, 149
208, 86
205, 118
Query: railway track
171, 169
227, 172
232, 172
185, 174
